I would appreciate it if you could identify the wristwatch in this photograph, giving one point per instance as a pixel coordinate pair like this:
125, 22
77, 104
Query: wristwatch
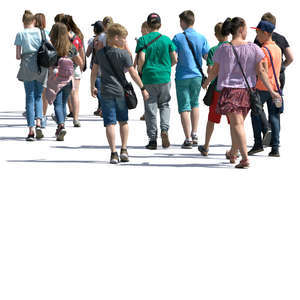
143, 88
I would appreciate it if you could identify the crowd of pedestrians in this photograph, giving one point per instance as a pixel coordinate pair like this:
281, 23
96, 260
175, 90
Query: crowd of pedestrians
236, 69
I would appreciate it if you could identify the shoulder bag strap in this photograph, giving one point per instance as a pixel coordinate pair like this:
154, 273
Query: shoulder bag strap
146, 46
114, 69
277, 84
194, 54
236, 55
43, 35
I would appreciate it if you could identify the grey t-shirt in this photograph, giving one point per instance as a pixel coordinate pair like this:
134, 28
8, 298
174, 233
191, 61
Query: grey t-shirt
121, 60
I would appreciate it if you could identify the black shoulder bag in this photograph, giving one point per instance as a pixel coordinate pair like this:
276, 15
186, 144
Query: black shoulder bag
130, 96
255, 103
46, 56
195, 58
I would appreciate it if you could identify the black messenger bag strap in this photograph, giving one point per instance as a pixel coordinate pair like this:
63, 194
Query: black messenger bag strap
194, 54
237, 58
114, 69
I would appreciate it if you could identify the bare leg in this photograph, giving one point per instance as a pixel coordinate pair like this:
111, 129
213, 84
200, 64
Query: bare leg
209, 131
195, 119
70, 104
238, 134
75, 99
124, 130
111, 137
186, 124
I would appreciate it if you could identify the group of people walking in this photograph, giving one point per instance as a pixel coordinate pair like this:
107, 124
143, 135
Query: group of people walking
235, 70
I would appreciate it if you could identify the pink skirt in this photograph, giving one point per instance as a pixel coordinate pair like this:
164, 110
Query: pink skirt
233, 100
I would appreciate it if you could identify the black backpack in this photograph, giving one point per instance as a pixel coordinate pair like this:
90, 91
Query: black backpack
46, 56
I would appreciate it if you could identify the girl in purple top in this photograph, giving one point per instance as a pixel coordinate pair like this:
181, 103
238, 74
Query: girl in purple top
234, 99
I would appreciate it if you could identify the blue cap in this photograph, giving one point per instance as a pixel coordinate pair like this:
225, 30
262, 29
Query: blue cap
265, 26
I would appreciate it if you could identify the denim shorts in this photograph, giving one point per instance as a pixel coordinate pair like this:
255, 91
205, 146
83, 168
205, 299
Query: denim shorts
187, 91
114, 110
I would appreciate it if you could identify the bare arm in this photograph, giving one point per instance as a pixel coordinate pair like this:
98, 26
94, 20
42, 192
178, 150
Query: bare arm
82, 56
209, 68
94, 73
78, 61
263, 75
127, 48
288, 57
18, 52
211, 75
89, 50
141, 61
135, 76
174, 57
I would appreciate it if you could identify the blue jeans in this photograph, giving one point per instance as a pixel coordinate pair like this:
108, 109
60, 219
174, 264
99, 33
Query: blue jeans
60, 103
274, 119
98, 86
34, 105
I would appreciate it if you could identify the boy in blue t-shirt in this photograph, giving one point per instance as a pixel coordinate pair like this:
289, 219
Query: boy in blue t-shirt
188, 77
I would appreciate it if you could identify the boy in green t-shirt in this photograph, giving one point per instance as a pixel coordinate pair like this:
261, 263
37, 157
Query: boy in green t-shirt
155, 62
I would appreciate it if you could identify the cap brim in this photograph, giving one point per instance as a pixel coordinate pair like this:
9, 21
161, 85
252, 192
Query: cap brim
254, 27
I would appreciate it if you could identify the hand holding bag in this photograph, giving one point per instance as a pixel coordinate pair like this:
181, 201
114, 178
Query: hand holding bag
276, 80
130, 96
255, 103
210, 93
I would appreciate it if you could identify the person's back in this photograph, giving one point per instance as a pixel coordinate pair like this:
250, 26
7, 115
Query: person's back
230, 74
276, 57
157, 66
186, 65
120, 58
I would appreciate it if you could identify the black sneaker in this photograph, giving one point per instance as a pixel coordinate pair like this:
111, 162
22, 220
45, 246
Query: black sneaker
255, 149
274, 153
70, 115
114, 158
187, 145
152, 145
30, 138
124, 155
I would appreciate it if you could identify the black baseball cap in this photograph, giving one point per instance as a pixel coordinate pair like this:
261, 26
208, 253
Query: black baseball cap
153, 19
98, 26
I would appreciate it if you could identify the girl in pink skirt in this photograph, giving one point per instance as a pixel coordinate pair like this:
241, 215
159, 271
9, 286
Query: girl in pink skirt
235, 99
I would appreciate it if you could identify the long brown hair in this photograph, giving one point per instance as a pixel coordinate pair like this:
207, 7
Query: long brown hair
68, 20
40, 21
60, 39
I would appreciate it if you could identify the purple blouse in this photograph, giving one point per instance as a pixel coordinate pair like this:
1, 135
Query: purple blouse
230, 74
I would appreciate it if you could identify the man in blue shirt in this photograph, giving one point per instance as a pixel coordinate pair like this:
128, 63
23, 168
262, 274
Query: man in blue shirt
188, 77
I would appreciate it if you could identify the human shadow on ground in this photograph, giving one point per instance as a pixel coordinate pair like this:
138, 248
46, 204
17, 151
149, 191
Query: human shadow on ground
57, 161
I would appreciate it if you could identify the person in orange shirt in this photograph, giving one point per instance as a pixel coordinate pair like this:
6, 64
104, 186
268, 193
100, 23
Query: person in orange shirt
264, 35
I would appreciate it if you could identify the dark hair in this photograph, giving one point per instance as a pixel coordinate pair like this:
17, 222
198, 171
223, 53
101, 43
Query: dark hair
58, 17
68, 21
232, 25
187, 17
269, 17
40, 21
